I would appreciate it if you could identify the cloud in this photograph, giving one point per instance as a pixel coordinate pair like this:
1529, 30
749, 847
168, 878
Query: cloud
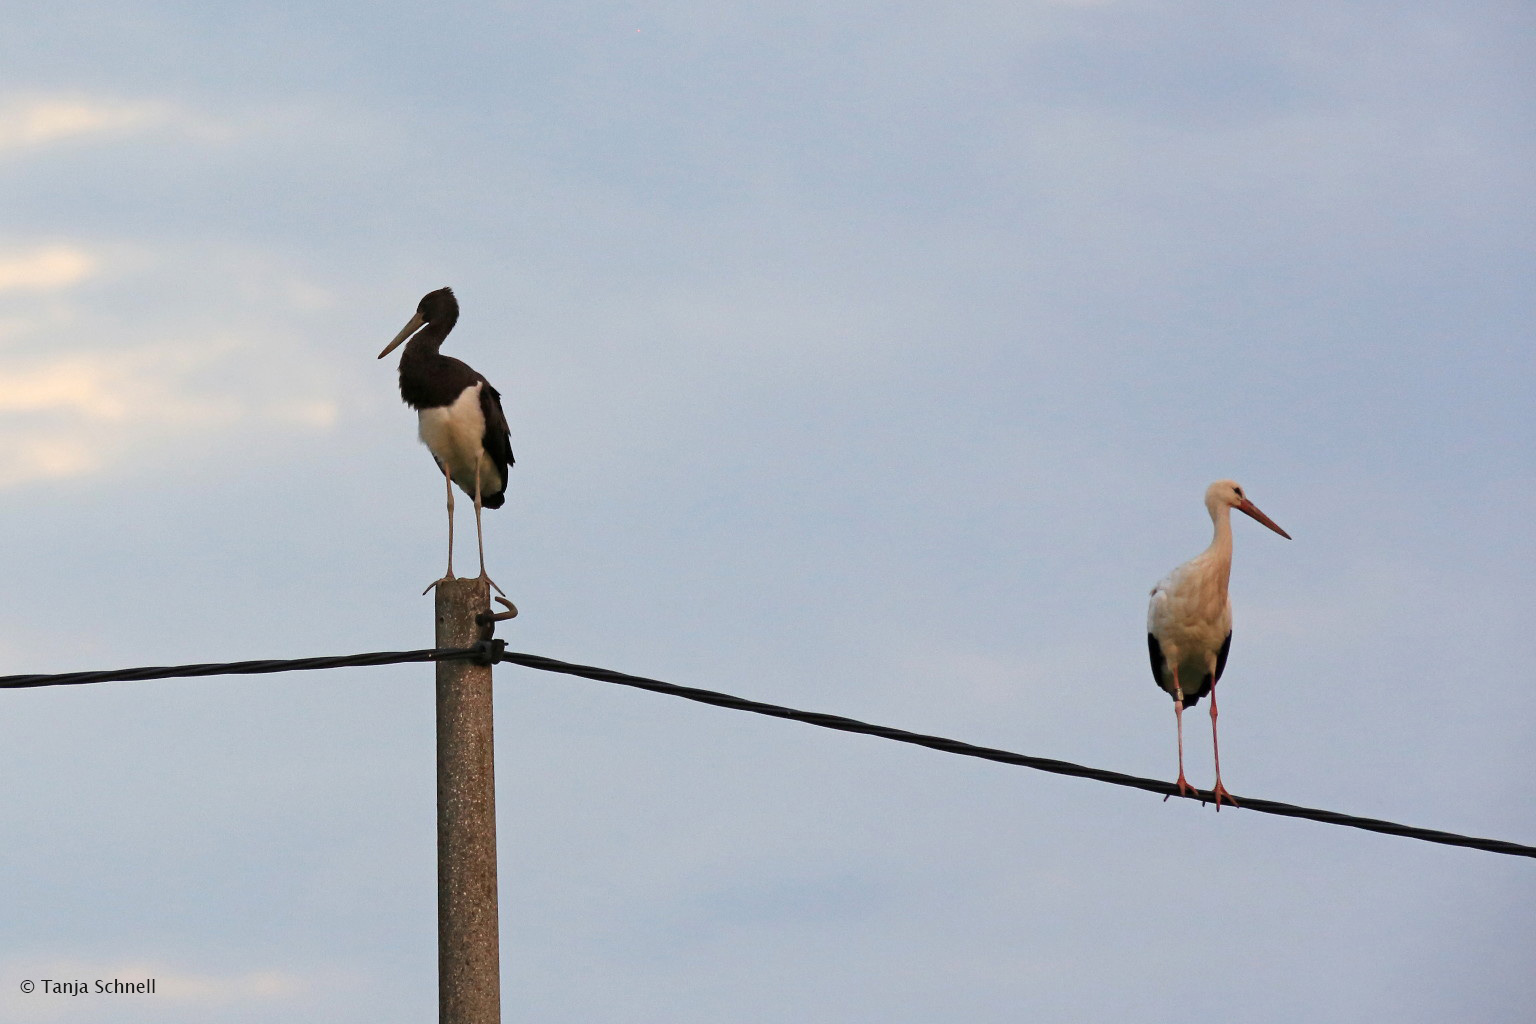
46, 269
108, 387
87, 386
67, 416
228, 988
33, 122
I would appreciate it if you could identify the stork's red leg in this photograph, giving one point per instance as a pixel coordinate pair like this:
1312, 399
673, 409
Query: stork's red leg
1185, 789
1219, 792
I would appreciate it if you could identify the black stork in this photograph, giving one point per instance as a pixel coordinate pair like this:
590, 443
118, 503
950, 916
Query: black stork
1189, 621
458, 412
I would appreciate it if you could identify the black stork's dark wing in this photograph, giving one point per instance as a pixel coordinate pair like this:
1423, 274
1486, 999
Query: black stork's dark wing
497, 440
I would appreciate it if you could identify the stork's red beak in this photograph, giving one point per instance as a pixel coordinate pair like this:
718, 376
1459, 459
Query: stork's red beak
1250, 509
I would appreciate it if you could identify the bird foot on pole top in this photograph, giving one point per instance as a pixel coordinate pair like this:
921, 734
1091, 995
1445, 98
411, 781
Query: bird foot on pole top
446, 579
492, 583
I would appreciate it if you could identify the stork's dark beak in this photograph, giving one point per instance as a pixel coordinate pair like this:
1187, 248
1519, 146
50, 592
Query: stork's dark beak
416, 324
1247, 507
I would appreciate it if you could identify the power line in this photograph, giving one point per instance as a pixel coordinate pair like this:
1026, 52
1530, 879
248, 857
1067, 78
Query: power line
491, 651
1043, 764
483, 652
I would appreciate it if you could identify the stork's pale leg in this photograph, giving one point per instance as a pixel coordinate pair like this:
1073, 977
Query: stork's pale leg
448, 485
480, 535
1220, 792
448, 480
1185, 789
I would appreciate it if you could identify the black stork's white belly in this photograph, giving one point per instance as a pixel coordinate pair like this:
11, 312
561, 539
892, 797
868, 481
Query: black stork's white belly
455, 435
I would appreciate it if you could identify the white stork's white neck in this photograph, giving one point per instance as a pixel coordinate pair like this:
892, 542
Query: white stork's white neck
1220, 551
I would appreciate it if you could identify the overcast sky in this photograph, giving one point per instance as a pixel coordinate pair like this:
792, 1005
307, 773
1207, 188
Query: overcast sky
866, 358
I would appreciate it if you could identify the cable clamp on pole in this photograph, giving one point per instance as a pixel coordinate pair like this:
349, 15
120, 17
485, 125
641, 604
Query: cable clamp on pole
488, 652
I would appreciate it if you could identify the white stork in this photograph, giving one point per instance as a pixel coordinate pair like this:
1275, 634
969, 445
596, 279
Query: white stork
1189, 622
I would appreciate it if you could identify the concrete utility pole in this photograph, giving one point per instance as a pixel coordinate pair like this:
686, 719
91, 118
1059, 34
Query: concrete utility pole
468, 943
